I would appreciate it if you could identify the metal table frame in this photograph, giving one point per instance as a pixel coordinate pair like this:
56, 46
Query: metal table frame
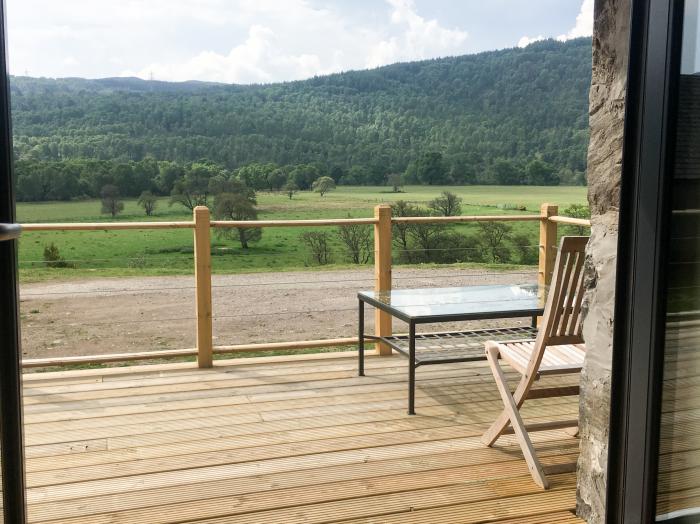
412, 321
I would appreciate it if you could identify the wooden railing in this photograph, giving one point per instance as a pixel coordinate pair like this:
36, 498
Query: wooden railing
202, 225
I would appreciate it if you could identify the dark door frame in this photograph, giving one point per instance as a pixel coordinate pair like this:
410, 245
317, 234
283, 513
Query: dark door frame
11, 439
655, 49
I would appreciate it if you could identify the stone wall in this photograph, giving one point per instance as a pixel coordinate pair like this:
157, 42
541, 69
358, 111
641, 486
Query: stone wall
607, 102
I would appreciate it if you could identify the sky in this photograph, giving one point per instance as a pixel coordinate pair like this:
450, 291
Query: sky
262, 41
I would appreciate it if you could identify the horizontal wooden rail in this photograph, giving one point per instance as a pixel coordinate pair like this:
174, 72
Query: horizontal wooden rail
570, 221
105, 226
104, 359
287, 346
172, 353
473, 218
292, 223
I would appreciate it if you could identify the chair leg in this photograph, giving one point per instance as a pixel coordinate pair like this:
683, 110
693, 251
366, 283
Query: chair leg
511, 411
501, 423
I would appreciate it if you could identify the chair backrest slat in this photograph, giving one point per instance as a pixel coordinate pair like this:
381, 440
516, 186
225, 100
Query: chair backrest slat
561, 322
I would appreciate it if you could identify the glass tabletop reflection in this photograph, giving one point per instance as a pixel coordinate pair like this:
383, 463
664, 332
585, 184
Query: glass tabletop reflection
486, 301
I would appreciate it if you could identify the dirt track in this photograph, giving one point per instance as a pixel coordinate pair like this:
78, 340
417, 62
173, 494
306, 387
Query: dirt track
120, 315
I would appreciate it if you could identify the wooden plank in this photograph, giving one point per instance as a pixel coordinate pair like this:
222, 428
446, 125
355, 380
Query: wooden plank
548, 244
300, 464
171, 353
457, 435
490, 510
570, 221
104, 226
135, 372
202, 279
470, 218
228, 381
383, 248
267, 491
292, 223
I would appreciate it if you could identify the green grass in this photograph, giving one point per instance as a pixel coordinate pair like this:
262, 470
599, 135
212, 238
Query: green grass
169, 252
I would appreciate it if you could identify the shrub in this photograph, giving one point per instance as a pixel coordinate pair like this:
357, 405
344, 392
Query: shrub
52, 256
577, 211
447, 204
494, 236
357, 240
457, 248
318, 243
528, 252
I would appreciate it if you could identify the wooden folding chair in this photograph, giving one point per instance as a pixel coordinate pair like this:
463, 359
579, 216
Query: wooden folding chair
558, 349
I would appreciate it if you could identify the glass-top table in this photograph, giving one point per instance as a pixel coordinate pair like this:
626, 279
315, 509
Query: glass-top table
452, 304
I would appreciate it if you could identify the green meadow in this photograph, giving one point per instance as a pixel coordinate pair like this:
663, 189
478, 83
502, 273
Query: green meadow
166, 252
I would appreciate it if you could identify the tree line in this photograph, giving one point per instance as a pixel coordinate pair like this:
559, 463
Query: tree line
518, 116
73, 179
40, 180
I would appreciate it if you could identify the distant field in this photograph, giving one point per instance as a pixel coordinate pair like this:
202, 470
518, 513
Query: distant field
160, 252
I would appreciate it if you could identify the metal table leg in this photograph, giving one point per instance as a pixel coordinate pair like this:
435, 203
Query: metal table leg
411, 368
361, 340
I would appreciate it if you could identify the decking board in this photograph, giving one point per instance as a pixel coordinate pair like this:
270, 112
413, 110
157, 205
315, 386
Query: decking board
284, 440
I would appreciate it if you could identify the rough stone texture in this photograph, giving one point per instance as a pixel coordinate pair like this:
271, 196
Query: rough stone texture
607, 101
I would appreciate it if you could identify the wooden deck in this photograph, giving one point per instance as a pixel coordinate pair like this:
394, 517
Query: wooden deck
285, 440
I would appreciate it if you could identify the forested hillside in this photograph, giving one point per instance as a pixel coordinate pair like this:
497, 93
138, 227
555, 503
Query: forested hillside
516, 116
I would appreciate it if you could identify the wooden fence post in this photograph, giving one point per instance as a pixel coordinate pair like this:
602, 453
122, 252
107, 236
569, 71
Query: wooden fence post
382, 271
548, 245
202, 277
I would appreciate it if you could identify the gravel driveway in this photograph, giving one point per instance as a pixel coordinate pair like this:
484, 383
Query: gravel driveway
119, 315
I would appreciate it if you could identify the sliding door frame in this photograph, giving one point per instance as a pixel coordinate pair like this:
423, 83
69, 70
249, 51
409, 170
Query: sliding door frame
655, 50
11, 438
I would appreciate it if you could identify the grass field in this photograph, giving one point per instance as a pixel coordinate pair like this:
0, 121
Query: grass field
162, 252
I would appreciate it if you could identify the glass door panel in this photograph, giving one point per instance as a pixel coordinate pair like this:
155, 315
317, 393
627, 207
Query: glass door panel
678, 482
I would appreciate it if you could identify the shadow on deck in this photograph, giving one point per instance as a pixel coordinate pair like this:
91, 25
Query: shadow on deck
284, 440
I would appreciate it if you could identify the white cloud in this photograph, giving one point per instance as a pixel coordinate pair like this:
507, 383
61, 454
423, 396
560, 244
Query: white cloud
584, 23
583, 26
420, 38
260, 58
526, 40
275, 49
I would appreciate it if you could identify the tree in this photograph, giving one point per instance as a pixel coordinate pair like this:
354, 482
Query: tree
148, 202
358, 242
290, 188
540, 173
493, 235
223, 184
276, 179
303, 175
429, 238
192, 189
505, 173
527, 252
318, 243
430, 169
447, 204
168, 173
111, 201
396, 182
578, 211
400, 230
237, 206
323, 185
357, 176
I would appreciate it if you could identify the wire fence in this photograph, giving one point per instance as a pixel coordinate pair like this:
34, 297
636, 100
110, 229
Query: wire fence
249, 303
